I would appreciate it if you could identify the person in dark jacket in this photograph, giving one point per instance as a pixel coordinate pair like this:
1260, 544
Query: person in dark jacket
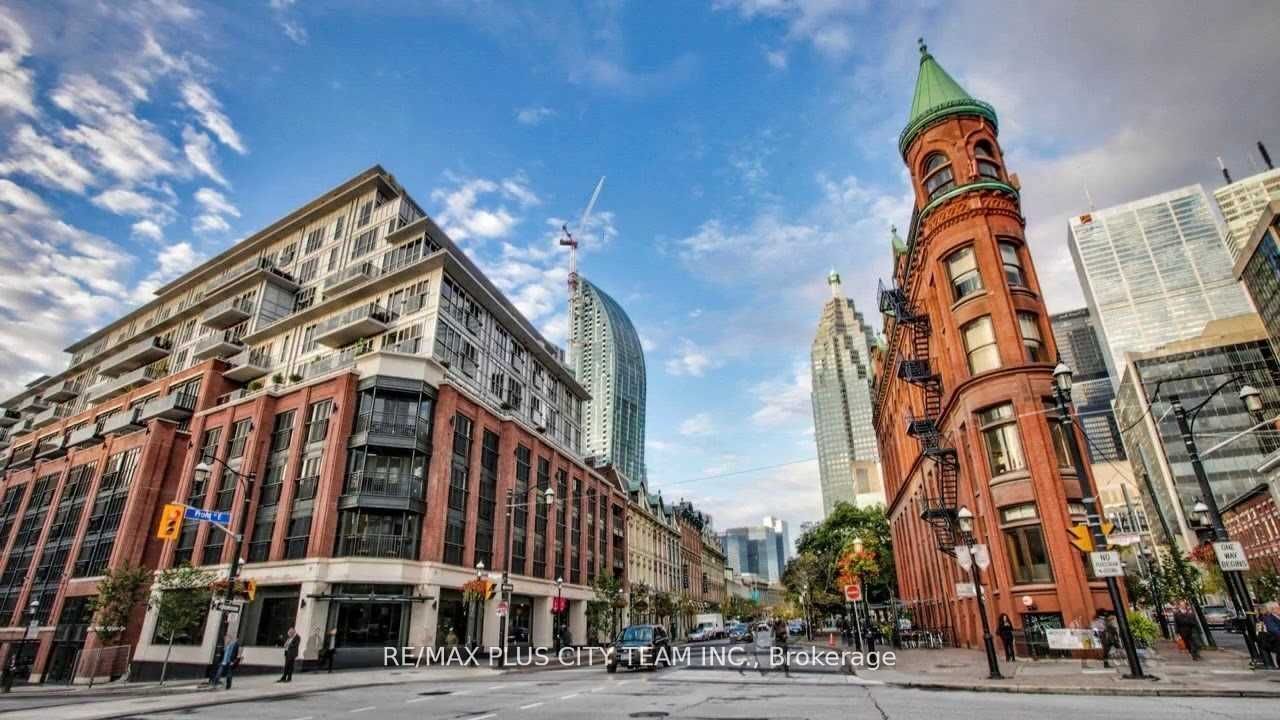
1269, 637
291, 643
330, 648
1184, 623
230, 659
781, 635
1004, 629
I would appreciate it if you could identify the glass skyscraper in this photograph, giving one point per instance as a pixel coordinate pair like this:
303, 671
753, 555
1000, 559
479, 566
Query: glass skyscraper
609, 362
1154, 271
840, 363
1092, 391
761, 550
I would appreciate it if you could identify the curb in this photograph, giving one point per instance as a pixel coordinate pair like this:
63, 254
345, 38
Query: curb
1068, 690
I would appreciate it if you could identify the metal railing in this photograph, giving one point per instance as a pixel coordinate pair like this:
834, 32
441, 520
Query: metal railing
383, 485
371, 311
393, 424
384, 546
307, 487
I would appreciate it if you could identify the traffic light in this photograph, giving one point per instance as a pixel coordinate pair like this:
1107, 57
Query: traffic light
250, 589
170, 522
489, 587
1081, 537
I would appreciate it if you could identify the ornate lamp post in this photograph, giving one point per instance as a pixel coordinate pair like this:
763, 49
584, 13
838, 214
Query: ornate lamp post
1062, 395
964, 521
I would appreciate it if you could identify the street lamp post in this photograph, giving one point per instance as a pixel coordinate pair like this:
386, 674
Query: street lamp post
964, 521
869, 630
555, 617
504, 623
1062, 395
1180, 565
476, 623
1236, 587
246, 481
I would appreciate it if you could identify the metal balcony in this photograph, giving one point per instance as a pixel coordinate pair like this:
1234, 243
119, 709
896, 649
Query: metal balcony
248, 365
219, 345
64, 390
9, 418
54, 446
391, 430
32, 404
50, 416
348, 278
137, 355
227, 313
356, 323
251, 267
380, 546
22, 457
130, 380
84, 435
122, 422
174, 406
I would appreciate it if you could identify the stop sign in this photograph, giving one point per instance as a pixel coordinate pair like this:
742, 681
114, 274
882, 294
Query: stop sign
853, 593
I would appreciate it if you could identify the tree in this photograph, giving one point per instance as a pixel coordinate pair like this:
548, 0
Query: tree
663, 606
120, 591
830, 543
640, 598
1265, 582
602, 613
180, 600
744, 609
1179, 578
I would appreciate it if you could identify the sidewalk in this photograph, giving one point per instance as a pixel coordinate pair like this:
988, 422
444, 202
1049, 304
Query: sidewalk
151, 697
1222, 673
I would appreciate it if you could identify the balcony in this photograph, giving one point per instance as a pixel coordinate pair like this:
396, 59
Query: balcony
174, 406
130, 380
382, 491
390, 430
137, 355
32, 404
356, 323
248, 268
9, 418
348, 278
64, 390
84, 435
122, 422
248, 365
50, 416
51, 447
227, 313
378, 546
220, 345
22, 457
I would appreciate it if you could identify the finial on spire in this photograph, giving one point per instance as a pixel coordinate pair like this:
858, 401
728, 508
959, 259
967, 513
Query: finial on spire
924, 49
833, 279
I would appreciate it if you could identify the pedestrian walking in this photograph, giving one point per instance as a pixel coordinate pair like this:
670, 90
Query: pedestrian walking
1188, 630
230, 659
1110, 636
291, 643
781, 636
1269, 635
1004, 629
330, 648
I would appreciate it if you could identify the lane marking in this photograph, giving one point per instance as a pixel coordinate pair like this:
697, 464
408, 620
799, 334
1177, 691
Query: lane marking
481, 717
623, 682
530, 706
570, 696
305, 717
366, 708
411, 701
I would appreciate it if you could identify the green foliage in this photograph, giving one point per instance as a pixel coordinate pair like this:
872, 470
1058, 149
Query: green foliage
740, 608
120, 591
1265, 583
181, 601
1143, 628
601, 616
821, 548
663, 606
1180, 579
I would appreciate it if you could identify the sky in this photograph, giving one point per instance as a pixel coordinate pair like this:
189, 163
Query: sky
749, 146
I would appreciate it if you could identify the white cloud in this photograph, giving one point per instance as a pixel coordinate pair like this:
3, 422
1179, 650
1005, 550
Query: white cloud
200, 152
172, 261
148, 229
17, 84
40, 158
826, 24
534, 115
209, 110
208, 223
785, 402
777, 59
466, 216
294, 31
124, 201
215, 202
689, 360
696, 425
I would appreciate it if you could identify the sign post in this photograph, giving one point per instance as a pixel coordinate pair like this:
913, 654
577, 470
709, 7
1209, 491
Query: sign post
853, 592
1231, 556
1106, 563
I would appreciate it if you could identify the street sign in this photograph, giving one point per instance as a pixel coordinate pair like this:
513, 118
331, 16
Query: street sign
982, 556
502, 609
1068, 639
1231, 556
963, 558
213, 516
966, 590
226, 607
853, 593
507, 587
1106, 563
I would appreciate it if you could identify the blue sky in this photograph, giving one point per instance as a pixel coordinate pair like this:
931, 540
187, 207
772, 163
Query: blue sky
749, 146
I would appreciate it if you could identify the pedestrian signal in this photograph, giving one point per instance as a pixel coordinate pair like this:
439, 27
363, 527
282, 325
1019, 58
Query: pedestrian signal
170, 522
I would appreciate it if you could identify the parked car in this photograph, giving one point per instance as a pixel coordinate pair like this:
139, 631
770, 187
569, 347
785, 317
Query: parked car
796, 627
740, 633
1219, 617
639, 646
705, 631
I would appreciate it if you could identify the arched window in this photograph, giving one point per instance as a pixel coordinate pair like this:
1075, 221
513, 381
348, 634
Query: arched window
938, 177
987, 166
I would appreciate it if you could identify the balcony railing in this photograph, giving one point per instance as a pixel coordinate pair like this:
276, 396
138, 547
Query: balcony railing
124, 383
174, 406
404, 427
9, 418
219, 345
23, 456
52, 446
125, 421
64, 390
358, 322
348, 278
383, 485
228, 312
50, 416
382, 546
248, 365
139, 354
246, 269
32, 404
84, 435
307, 487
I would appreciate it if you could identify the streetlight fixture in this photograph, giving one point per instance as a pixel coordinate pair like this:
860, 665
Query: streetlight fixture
245, 480
964, 521
1251, 398
1062, 396
556, 621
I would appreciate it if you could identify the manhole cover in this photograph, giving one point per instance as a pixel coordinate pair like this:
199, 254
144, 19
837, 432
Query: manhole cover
436, 692
649, 714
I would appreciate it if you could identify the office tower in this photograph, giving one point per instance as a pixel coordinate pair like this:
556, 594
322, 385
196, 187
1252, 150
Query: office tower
1092, 390
1243, 201
609, 363
1154, 271
848, 462
758, 550
782, 536
1258, 269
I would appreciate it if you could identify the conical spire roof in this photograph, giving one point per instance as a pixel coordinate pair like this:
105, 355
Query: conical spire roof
899, 247
937, 96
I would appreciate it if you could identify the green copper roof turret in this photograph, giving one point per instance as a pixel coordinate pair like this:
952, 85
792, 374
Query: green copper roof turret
938, 95
899, 247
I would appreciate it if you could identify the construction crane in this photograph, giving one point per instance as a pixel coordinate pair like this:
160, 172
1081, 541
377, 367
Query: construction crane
571, 242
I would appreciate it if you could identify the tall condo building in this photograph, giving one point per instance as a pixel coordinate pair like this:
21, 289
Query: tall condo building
840, 363
759, 550
609, 362
1242, 203
384, 400
963, 382
1077, 341
1154, 271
